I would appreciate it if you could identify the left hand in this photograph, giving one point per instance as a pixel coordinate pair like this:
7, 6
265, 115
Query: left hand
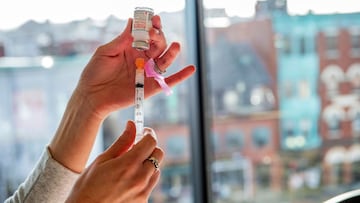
107, 84
107, 81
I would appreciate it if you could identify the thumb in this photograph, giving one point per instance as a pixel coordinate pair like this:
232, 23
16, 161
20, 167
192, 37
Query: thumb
119, 43
123, 143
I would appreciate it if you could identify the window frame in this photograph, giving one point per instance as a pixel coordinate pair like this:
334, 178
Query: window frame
199, 107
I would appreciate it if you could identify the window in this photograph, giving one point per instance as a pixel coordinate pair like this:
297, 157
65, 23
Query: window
335, 157
355, 42
304, 89
354, 117
234, 139
355, 124
261, 136
292, 139
331, 43
305, 128
353, 75
34, 98
331, 77
287, 89
302, 42
263, 175
2, 50
334, 116
355, 170
262, 97
283, 42
256, 68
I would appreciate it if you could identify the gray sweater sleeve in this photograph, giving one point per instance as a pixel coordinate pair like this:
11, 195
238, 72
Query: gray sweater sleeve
49, 182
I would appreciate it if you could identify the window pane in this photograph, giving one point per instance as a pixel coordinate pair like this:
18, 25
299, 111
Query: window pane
284, 84
279, 73
355, 42
34, 95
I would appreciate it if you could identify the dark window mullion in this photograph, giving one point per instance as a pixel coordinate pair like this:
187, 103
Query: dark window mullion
199, 113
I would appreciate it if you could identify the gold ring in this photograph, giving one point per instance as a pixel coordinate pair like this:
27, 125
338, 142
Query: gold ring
158, 70
154, 161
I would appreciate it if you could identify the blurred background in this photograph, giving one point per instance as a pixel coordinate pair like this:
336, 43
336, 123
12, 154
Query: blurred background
282, 88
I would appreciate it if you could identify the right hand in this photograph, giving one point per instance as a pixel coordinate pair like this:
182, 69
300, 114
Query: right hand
122, 174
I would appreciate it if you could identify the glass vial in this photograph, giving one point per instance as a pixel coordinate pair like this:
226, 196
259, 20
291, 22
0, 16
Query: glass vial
141, 26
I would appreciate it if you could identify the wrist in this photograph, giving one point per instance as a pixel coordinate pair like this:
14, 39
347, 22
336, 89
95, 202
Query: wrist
74, 199
76, 134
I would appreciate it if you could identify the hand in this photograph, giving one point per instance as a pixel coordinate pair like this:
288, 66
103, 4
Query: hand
107, 82
121, 174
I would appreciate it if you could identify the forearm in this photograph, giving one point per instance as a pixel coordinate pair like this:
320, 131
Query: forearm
48, 182
76, 134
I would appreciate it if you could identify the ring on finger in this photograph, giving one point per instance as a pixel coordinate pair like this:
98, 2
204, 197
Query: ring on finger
158, 70
154, 161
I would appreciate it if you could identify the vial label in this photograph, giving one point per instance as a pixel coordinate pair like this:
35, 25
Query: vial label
141, 26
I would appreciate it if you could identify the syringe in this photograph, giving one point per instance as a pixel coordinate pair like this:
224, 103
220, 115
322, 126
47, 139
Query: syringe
139, 98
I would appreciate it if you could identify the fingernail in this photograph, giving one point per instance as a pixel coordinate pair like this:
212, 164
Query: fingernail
151, 132
128, 124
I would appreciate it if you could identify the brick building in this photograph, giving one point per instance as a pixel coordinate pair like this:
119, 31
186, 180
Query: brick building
339, 64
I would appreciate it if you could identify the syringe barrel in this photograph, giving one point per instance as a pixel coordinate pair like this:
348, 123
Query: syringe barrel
139, 103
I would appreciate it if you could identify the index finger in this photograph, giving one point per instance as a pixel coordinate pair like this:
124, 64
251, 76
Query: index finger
143, 149
156, 22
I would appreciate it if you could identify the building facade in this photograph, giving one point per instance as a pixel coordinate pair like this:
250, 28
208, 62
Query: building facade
339, 82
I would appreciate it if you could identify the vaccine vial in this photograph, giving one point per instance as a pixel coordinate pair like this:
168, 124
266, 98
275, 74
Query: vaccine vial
141, 26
